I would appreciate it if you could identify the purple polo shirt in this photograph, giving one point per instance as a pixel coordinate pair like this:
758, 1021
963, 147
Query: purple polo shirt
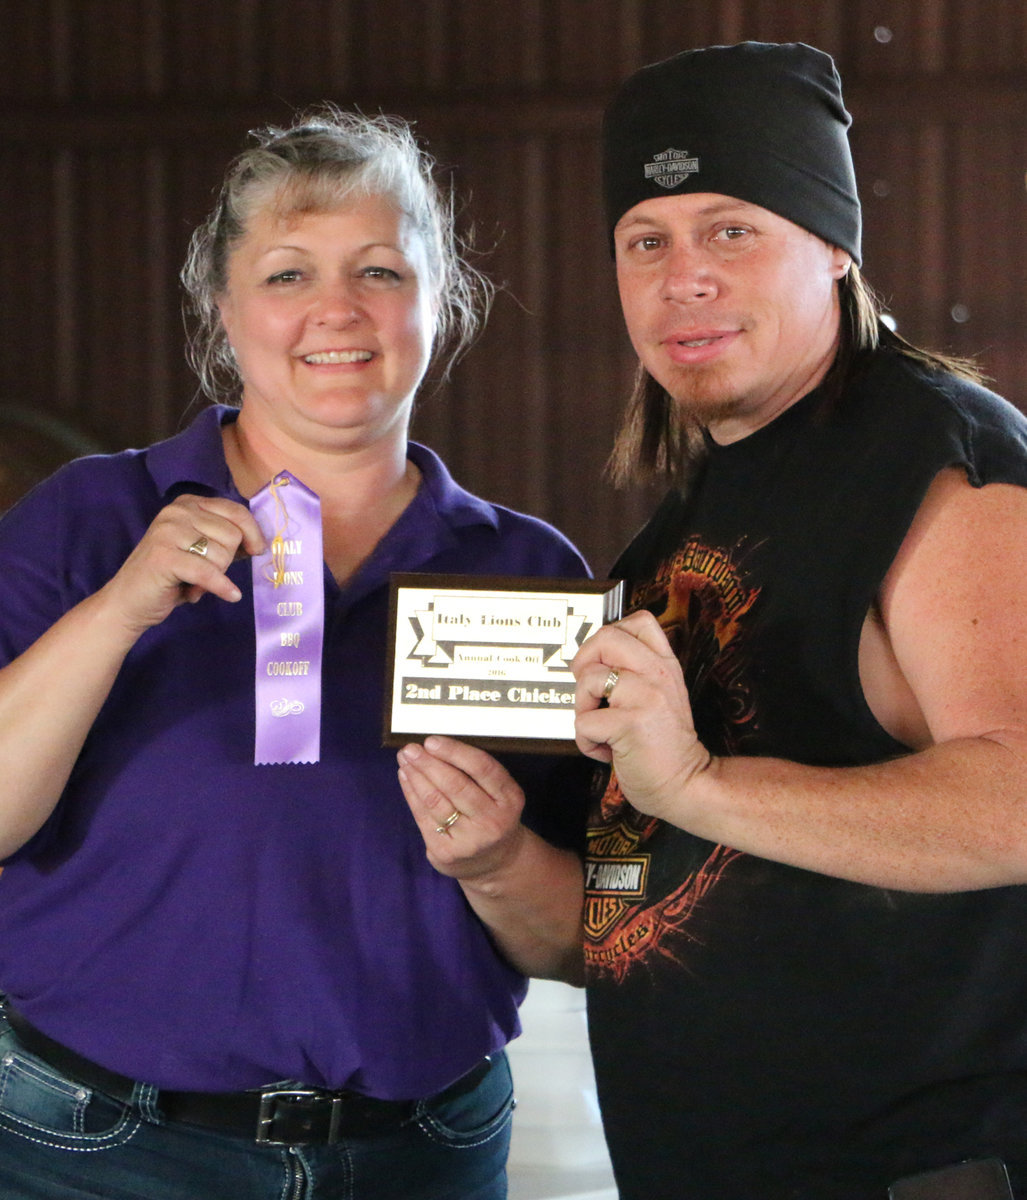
198, 922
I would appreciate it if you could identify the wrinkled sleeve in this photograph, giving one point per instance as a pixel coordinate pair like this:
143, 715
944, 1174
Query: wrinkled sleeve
33, 584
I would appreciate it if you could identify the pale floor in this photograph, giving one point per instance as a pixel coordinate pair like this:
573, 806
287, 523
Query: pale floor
557, 1151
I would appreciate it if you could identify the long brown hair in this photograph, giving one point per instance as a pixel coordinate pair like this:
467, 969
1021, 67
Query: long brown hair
656, 443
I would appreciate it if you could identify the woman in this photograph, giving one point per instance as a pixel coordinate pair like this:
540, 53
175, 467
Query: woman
229, 973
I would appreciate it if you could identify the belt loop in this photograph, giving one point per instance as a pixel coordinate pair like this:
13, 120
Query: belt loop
146, 1100
336, 1120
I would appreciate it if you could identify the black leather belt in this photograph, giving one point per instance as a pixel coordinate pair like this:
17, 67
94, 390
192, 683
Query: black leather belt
280, 1116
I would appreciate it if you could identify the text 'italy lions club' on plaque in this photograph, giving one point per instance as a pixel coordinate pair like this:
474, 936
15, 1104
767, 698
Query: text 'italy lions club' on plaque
487, 658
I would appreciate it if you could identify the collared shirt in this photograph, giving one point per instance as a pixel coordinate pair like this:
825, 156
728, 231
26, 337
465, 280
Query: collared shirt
198, 922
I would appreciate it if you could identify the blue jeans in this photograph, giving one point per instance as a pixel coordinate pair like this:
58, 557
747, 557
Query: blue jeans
61, 1141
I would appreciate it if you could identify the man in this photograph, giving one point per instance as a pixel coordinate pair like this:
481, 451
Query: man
805, 919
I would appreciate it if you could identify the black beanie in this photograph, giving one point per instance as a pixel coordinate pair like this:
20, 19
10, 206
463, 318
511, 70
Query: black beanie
761, 122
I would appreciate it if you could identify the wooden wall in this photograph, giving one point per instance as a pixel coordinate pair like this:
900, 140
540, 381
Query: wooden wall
118, 116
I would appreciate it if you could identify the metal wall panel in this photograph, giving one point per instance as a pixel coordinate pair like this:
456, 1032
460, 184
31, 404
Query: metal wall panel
118, 116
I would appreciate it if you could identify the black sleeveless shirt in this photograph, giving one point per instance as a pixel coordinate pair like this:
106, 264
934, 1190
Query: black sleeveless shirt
762, 1031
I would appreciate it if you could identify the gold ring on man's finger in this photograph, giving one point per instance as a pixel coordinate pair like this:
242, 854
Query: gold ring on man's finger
200, 546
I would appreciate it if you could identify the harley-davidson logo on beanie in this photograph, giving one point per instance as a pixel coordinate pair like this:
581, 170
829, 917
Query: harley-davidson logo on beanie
758, 121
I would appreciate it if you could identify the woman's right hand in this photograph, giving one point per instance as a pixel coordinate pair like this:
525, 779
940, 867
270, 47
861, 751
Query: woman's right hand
182, 556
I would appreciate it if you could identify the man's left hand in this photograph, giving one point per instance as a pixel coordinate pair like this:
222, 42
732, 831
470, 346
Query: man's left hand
645, 728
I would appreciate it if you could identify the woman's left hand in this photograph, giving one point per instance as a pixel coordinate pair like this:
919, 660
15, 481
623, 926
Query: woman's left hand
466, 805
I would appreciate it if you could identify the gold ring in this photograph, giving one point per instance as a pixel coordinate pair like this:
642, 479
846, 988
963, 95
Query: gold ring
200, 547
610, 684
452, 819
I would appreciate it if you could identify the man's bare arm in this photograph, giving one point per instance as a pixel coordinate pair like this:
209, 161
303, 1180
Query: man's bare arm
949, 816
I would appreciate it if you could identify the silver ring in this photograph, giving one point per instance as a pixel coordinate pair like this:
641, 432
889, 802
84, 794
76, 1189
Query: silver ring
610, 684
452, 819
200, 546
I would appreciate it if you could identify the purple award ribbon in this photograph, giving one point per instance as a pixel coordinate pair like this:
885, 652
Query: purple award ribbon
288, 614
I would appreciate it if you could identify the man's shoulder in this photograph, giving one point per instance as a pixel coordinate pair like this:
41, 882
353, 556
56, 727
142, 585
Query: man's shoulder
933, 418
914, 389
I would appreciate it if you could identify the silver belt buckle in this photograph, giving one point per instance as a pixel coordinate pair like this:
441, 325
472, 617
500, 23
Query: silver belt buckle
267, 1115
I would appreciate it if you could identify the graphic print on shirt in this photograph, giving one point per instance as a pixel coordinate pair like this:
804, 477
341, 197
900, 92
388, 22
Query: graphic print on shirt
632, 918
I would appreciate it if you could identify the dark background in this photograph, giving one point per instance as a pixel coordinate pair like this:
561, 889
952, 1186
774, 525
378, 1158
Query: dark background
117, 118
